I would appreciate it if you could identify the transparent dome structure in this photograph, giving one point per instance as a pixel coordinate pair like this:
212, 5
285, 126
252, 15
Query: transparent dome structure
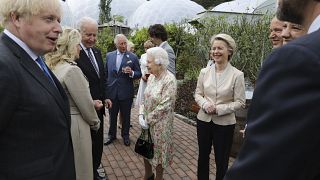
247, 6
67, 15
124, 8
163, 11
83, 8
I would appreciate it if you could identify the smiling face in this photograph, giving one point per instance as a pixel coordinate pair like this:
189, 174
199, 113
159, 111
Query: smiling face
292, 31
276, 27
40, 32
220, 52
89, 34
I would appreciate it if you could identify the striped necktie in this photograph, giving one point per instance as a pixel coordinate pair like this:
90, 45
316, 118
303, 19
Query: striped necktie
92, 61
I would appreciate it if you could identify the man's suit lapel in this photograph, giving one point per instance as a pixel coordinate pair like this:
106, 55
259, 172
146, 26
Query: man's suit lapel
124, 60
99, 62
88, 63
31, 67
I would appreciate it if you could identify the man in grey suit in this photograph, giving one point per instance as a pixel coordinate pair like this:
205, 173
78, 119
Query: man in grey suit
158, 36
35, 140
282, 137
122, 67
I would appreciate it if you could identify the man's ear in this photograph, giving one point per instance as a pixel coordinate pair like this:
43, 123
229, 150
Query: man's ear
15, 19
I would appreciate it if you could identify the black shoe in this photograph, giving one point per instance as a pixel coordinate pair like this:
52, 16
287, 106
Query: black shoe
151, 177
126, 141
109, 141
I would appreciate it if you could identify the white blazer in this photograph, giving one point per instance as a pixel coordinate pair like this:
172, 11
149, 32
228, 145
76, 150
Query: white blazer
227, 93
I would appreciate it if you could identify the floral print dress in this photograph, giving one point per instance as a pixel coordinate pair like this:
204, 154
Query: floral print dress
159, 102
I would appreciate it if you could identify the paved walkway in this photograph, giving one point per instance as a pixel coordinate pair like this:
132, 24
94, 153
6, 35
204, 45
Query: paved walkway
122, 163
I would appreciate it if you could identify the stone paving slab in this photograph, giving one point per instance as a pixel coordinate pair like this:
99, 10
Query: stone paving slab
120, 162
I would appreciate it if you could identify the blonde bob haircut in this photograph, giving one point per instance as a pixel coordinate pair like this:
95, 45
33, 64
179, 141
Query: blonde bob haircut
66, 49
159, 55
27, 8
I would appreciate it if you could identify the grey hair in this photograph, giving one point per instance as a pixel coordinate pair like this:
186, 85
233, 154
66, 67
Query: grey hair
160, 56
86, 20
119, 36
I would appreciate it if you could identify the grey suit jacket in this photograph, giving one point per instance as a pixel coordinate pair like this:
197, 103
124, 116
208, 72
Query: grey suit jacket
35, 141
171, 56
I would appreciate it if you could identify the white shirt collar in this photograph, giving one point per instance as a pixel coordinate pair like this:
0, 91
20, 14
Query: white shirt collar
315, 25
119, 53
21, 44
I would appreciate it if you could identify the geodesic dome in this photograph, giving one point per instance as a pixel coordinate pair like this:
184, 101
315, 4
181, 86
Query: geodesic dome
247, 6
67, 16
83, 8
124, 8
163, 11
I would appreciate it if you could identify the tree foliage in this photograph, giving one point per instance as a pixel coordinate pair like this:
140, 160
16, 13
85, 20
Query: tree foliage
105, 9
105, 41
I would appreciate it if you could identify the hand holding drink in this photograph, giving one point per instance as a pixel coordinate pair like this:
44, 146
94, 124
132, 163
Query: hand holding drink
126, 70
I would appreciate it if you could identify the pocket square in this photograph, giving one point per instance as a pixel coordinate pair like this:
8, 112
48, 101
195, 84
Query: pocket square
128, 62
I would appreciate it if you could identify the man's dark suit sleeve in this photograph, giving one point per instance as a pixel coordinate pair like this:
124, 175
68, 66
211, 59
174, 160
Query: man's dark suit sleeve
283, 120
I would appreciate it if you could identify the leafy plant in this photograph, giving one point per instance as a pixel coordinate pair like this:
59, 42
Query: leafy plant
105, 41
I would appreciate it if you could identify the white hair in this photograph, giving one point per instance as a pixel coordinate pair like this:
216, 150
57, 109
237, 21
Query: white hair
119, 36
86, 20
160, 56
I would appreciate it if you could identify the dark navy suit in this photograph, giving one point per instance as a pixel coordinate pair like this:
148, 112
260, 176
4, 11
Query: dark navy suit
282, 137
119, 88
35, 139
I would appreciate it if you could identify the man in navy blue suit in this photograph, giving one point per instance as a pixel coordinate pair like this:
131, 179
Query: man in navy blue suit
282, 136
122, 67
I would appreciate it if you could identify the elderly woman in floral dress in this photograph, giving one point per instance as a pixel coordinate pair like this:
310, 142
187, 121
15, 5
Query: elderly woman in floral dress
158, 111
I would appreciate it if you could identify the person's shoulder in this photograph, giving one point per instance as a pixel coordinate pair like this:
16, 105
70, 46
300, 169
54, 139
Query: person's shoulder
95, 49
111, 52
131, 55
236, 71
205, 70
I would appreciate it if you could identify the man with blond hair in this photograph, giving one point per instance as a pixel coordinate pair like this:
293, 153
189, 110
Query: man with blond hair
35, 141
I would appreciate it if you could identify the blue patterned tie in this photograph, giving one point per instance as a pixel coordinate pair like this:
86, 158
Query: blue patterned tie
45, 69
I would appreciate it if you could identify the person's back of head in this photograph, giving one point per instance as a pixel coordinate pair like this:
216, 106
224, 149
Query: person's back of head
67, 48
158, 31
298, 12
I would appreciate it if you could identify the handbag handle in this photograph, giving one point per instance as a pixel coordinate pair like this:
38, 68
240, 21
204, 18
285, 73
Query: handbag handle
149, 136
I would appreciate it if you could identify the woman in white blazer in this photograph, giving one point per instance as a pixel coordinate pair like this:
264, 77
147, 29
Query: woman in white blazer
82, 107
220, 92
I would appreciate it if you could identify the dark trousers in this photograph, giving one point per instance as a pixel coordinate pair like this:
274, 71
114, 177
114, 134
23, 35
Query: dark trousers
124, 106
97, 144
221, 138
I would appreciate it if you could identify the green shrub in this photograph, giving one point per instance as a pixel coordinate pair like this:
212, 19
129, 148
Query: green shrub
105, 41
